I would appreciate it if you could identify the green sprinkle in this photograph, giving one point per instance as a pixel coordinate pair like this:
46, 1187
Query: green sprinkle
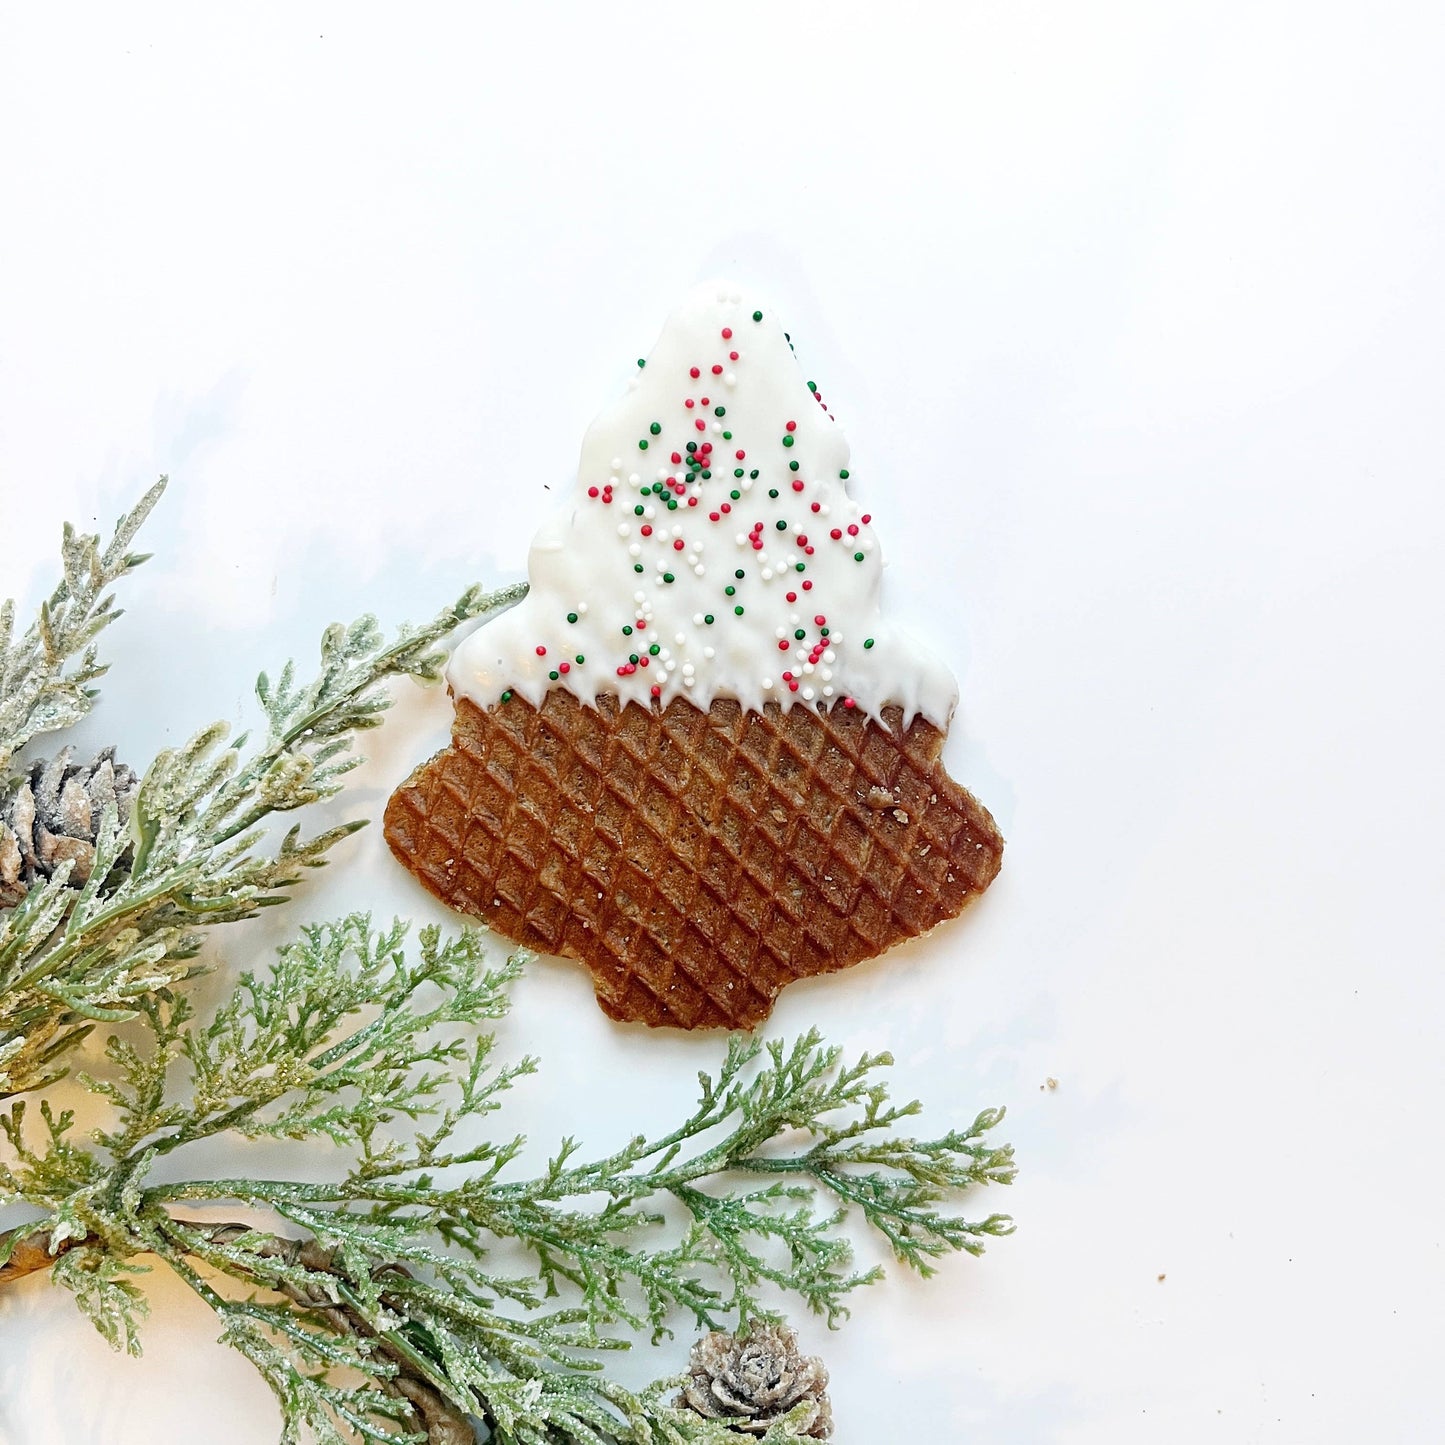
706, 473
823, 632
731, 591
507, 696
737, 471
633, 659
668, 577
735, 495
627, 630
740, 574
642, 361
867, 642
637, 567
642, 444
655, 428
727, 436
737, 611
708, 619
757, 315
788, 440
812, 386
844, 474
719, 411
800, 634
753, 475
857, 556
801, 567
554, 675
653, 650
672, 504
692, 446
638, 511
772, 491
571, 617
782, 525
792, 466
580, 659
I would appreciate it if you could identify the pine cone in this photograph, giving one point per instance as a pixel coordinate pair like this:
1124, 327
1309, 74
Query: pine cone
53, 815
750, 1381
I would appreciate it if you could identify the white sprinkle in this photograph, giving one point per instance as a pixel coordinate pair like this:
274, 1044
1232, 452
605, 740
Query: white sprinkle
581, 609
662, 474
635, 550
696, 622
635, 480
808, 694
829, 655
639, 598
709, 653
767, 683
767, 574
616, 464
623, 530
717, 426
699, 570
731, 378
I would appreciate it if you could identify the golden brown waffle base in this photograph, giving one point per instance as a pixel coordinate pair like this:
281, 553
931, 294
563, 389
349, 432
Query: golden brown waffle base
695, 862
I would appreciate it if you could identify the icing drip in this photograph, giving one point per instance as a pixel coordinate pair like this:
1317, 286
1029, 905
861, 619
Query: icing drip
710, 547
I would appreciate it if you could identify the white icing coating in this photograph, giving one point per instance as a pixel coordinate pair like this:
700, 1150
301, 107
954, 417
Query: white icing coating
632, 574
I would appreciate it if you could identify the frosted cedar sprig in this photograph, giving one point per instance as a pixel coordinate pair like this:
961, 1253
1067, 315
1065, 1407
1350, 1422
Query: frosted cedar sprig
193, 851
45, 674
358, 1040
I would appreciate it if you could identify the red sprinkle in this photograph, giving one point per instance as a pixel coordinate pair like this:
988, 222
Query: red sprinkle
836, 533
676, 458
732, 356
820, 620
792, 596
797, 486
866, 518
792, 426
645, 530
740, 454
700, 424
541, 652
783, 645
714, 516
726, 507
848, 702
693, 371
593, 492
717, 371
792, 687
689, 403
807, 586
727, 333
817, 506
564, 667
677, 544
656, 690
852, 530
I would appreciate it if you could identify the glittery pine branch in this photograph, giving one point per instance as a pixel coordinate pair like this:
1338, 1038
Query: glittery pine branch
387, 1317
191, 849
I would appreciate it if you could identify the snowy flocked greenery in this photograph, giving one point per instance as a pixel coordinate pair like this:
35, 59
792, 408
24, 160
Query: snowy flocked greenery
435, 1283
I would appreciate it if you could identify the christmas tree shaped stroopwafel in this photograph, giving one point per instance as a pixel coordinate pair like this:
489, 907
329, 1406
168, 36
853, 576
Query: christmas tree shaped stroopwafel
695, 758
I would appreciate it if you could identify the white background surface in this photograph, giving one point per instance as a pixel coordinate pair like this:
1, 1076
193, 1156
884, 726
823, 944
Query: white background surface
1133, 314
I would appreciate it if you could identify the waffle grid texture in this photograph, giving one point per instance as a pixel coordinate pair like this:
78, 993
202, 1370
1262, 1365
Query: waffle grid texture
695, 862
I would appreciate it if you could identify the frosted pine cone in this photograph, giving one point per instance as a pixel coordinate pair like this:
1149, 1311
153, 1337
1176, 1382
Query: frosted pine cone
751, 1381
53, 815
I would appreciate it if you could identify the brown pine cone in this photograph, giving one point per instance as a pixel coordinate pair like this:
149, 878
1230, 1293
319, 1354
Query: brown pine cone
751, 1381
53, 815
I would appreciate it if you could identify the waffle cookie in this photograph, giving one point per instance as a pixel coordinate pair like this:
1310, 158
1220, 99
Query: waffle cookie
695, 862
698, 756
